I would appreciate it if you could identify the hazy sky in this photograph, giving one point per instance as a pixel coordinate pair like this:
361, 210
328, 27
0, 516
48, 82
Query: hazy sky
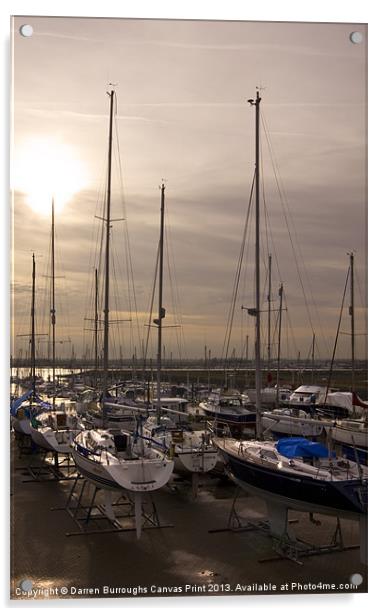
182, 114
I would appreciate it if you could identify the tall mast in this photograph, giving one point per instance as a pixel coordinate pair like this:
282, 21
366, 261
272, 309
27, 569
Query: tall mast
279, 344
96, 324
256, 104
269, 312
107, 246
33, 342
313, 357
161, 311
53, 301
352, 315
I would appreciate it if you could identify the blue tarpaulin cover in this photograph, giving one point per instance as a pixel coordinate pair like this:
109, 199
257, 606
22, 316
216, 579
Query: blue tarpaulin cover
301, 447
17, 403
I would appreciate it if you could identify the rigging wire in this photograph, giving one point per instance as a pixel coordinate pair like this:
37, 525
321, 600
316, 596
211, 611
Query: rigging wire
228, 331
132, 296
287, 216
174, 287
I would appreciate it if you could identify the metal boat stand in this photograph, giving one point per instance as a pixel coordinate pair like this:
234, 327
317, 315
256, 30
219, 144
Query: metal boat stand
93, 517
191, 483
238, 524
52, 467
284, 542
24, 444
297, 549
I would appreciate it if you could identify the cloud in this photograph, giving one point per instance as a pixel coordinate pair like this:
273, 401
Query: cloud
182, 115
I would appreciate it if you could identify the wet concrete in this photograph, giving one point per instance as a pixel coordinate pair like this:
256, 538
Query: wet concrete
49, 561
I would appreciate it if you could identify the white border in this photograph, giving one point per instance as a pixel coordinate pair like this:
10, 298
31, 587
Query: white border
353, 11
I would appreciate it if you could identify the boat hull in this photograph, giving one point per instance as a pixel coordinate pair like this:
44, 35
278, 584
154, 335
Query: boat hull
350, 437
341, 498
137, 476
195, 461
291, 428
48, 439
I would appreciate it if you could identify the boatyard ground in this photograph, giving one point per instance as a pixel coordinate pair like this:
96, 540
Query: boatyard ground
51, 561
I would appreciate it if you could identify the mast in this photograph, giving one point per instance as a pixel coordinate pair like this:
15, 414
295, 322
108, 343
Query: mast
256, 104
269, 313
352, 315
33, 342
209, 369
53, 301
107, 248
161, 311
96, 324
313, 357
279, 345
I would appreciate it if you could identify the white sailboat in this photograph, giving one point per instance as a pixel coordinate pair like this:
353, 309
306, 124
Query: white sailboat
114, 459
54, 430
192, 450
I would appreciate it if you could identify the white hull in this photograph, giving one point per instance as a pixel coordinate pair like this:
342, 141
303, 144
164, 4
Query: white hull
136, 476
58, 441
293, 428
346, 436
191, 450
195, 462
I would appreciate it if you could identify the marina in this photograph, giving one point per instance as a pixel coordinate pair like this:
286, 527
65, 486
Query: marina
170, 561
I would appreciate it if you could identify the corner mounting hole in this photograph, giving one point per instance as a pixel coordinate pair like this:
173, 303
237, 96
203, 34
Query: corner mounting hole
356, 579
26, 30
356, 37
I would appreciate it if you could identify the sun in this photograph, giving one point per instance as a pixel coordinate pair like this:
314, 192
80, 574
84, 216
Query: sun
45, 168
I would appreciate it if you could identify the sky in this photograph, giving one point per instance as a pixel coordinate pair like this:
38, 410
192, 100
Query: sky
182, 114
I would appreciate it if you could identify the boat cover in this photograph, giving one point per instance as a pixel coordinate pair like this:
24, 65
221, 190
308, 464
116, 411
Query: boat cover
301, 448
17, 403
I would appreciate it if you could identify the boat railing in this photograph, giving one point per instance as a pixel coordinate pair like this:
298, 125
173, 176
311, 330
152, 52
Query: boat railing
150, 440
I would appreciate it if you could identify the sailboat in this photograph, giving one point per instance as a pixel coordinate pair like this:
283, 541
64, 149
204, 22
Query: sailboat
54, 429
29, 405
192, 450
113, 458
295, 472
352, 432
118, 414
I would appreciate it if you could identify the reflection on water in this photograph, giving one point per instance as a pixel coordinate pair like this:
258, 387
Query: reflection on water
23, 379
44, 373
